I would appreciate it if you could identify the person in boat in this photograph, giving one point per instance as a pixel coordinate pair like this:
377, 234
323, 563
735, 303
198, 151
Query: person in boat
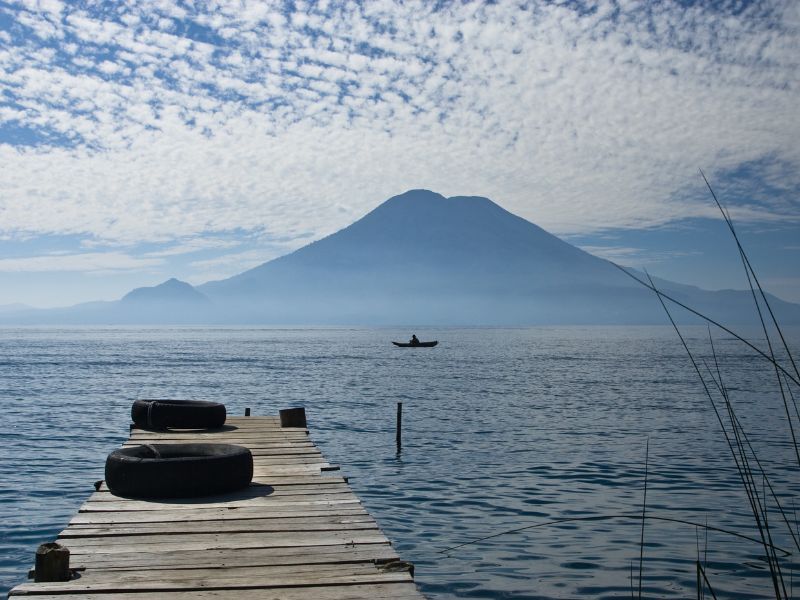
414, 341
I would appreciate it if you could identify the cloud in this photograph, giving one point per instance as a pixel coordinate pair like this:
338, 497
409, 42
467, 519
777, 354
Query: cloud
192, 246
91, 262
617, 254
250, 258
227, 265
634, 256
158, 123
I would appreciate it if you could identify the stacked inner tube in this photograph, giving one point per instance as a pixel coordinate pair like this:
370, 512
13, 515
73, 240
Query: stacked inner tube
177, 414
178, 470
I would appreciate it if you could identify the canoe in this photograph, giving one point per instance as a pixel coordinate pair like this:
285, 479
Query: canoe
420, 345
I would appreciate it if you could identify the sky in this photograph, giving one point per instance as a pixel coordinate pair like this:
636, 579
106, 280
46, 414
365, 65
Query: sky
142, 140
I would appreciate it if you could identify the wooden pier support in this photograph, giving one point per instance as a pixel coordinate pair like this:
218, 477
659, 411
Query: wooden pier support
293, 417
398, 434
52, 563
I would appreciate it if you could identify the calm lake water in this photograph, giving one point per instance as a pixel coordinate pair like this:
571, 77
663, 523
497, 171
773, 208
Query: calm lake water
502, 428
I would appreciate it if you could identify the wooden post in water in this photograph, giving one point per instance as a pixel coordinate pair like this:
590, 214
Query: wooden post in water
293, 417
398, 435
699, 592
52, 563
247, 412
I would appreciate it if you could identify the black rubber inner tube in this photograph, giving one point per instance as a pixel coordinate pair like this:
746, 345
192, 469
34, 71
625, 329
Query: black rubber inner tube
178, 414
178, 470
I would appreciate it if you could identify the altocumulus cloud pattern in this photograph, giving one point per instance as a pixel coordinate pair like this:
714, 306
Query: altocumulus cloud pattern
161, 120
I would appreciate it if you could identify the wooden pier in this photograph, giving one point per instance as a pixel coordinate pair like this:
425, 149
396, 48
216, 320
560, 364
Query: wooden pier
297, 532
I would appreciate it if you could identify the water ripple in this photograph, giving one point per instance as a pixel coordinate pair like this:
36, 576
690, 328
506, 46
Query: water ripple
501, 429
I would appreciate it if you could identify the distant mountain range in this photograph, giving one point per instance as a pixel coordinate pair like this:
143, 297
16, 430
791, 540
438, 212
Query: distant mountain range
14, 307
419, 258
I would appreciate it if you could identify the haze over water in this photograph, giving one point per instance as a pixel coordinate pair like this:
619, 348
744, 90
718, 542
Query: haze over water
502, 428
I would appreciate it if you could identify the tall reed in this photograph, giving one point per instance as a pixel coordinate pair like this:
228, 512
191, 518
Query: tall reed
748, 465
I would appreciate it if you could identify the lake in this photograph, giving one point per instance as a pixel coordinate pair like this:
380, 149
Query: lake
502, 429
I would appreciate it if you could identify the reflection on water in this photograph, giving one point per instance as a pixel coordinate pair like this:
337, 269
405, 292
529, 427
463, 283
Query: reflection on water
501, 429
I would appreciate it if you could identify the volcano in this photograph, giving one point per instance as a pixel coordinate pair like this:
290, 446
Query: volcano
422, 258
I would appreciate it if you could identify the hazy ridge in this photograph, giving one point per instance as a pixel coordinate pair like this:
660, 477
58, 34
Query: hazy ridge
418, 258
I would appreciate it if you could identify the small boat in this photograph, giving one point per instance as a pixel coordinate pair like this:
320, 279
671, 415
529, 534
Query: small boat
420, 345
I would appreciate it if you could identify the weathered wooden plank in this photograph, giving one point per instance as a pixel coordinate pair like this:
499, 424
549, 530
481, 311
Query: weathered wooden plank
180, 577
255, 494
265, 502
202, 513
226, 430
278, 480
266, 470
97, 502
254, 442
245, 436
284, 470
226, 521
203, 541
270, 439
199, 559
253, 432
268, 459
266, 440
290, 480
381, 591
275, 436
279, 434
232, 432
227, 527
322, 492
210, 583
256, 490
264, 473
278, 497
287, 520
